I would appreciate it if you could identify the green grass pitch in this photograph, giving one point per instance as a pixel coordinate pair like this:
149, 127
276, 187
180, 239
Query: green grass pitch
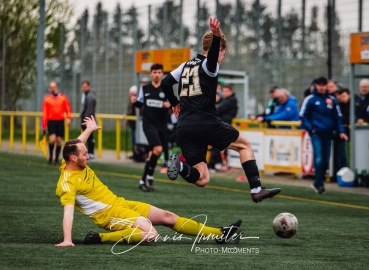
333, 228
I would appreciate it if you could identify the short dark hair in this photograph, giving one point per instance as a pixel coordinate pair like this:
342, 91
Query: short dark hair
70, 148
343, 90
228, 86
273, 88
156, 67
86, 82
321, 80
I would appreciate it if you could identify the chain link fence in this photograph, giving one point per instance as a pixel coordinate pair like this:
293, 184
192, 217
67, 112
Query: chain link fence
277, 42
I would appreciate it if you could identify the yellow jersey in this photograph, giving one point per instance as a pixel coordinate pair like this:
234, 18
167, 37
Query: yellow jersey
87, 193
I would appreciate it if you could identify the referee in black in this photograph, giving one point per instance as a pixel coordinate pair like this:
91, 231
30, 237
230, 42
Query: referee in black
154, 119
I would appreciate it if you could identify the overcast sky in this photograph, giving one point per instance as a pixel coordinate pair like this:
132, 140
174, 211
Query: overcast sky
347, 9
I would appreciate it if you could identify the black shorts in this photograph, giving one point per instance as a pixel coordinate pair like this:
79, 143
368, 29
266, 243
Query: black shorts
194, 141
156, 137
56, 127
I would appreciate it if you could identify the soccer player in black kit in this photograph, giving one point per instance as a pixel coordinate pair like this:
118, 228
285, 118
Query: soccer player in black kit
198, 123
154, 120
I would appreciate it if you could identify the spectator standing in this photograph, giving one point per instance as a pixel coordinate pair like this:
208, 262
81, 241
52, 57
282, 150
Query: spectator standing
88, 104
227, 110
362, 103
339, 145
228, 106
332, 87
131, 111
321, 117
343, 97
54, 106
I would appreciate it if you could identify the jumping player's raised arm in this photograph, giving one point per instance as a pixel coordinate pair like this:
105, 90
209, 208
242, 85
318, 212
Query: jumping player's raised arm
213, 54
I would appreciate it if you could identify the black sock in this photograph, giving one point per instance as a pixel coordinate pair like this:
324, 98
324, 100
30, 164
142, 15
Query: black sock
145, 170
152, 164
57, 152
252, 173
51, 151
190, 174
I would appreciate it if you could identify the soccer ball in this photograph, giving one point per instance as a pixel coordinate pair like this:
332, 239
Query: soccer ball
285, 225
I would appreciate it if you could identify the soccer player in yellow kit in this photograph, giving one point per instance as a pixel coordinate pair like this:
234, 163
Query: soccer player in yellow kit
126, 221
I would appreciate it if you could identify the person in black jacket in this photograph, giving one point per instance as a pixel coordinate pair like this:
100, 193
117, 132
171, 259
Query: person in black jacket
339, 145
88, 103
228, 107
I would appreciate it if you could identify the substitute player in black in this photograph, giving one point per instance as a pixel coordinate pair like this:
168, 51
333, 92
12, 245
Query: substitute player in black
154, 119
198, 123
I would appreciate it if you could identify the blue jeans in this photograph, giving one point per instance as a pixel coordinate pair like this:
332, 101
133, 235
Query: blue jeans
322, 151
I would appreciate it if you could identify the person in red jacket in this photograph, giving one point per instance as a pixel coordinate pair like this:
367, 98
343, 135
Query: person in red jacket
54, 106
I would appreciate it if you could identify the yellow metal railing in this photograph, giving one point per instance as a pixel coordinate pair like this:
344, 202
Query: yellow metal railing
245, 123
99, 117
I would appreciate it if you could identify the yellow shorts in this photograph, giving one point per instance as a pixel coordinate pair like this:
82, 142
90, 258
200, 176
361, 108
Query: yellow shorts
124, 213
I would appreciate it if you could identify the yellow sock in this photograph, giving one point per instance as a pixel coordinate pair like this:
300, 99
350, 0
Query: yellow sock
130, 236
192, 227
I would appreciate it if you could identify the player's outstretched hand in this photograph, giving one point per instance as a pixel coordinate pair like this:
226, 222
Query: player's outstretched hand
215, 27
176, 110
65, 244
90, 123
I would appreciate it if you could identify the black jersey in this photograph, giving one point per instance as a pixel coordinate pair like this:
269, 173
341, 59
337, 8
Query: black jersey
154, 114
197, 83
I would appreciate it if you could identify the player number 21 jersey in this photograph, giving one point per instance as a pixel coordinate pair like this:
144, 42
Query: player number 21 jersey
196, 90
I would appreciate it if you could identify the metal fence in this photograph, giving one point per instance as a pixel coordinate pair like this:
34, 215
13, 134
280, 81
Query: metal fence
277, 42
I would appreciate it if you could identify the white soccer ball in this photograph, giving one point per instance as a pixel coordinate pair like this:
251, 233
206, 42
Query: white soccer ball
285, 225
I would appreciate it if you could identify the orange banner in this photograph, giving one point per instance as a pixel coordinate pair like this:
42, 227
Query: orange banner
359, 48
169, 58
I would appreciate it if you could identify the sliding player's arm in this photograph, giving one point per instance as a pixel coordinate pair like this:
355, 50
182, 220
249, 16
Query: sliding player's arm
91, 126
66, 190
67, 226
